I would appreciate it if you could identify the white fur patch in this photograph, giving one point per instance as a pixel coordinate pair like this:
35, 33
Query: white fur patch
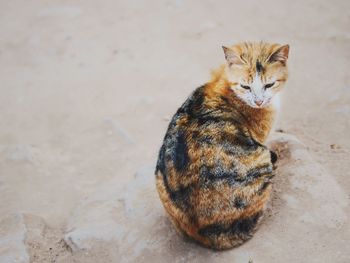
257, 87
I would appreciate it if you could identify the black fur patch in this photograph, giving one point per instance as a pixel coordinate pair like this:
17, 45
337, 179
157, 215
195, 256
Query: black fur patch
181, 158
263, 187
240, 203
161, 160
259, 67
180, 196
210, 175
193, 104
246, 142
274, 157
241, 226
206, 139
258, 172
209, 119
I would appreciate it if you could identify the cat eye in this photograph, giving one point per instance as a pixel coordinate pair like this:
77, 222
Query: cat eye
245, 87
269, 85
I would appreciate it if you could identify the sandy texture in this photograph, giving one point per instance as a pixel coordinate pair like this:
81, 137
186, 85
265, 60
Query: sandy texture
87, 90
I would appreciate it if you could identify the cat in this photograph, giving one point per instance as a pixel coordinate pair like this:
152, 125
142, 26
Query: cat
213, 173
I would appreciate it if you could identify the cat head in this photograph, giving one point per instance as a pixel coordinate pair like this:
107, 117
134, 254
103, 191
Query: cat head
256, 71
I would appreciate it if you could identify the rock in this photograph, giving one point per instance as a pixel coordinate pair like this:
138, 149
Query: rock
128, 221
12, 238
26, 238
44, 244
104, 215
325, 197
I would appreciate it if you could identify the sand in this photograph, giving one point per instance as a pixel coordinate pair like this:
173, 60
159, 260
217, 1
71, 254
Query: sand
87, 91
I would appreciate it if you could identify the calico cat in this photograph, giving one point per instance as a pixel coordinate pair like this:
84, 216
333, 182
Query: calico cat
213, 173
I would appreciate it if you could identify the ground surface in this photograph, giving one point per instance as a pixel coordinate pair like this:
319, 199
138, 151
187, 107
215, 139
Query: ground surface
87, 90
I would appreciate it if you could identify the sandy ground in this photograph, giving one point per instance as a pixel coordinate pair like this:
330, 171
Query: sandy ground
87, 90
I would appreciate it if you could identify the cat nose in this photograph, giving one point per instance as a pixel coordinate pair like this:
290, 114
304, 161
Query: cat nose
258, 102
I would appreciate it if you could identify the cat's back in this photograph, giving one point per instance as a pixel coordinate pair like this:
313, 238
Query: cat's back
199, 129
212, 176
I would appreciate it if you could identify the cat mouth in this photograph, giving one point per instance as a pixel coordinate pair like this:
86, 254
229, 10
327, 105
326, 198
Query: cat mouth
260, 106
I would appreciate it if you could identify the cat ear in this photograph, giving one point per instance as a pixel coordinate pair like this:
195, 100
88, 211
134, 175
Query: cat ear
281, 54
232, 57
